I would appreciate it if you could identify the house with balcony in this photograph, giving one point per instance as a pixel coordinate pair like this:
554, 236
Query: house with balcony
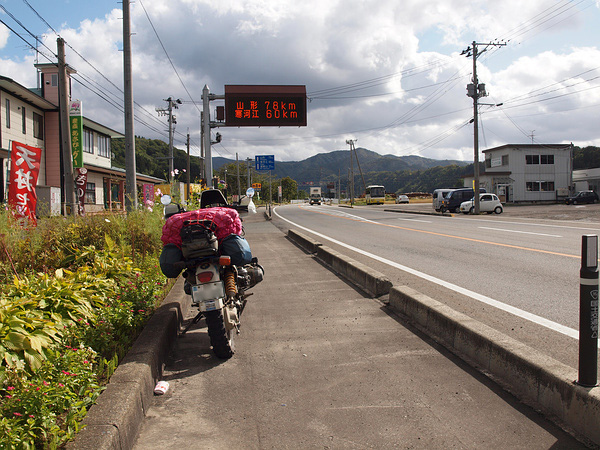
31, 117
527, 172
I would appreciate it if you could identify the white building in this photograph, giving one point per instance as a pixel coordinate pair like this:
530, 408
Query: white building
527, 172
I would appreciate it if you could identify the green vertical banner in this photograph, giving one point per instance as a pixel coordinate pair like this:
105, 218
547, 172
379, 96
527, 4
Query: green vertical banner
76, 122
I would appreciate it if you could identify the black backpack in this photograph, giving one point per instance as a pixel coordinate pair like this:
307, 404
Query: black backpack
198, 239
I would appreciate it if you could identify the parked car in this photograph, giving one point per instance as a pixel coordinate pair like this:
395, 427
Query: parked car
453, 199
438, 197
582, 197
489, 203
402, 199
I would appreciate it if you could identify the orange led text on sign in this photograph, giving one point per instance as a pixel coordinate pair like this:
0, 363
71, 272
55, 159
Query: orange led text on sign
272, 110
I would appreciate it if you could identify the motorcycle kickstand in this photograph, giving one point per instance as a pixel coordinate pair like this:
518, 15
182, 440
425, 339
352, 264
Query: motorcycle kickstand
194, 321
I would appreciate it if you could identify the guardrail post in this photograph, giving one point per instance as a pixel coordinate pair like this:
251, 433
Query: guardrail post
588, 312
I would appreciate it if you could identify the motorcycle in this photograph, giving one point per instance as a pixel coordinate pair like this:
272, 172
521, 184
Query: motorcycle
217, 274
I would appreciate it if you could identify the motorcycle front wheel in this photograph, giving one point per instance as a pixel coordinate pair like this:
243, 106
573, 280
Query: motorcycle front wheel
220, 339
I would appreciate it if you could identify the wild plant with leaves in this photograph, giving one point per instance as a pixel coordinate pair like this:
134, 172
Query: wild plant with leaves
75, 292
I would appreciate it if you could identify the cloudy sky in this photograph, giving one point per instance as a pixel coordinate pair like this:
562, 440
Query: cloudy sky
387, 73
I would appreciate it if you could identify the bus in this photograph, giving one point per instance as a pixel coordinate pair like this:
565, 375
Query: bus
375, 195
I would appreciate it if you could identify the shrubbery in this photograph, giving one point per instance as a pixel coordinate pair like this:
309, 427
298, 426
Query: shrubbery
75, 293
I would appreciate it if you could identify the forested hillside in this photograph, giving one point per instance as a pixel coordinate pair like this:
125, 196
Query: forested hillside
151, 158
586, 158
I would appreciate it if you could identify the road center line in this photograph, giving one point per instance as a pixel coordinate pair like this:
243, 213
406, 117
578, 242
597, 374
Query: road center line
522, 232
434, 233
474, 295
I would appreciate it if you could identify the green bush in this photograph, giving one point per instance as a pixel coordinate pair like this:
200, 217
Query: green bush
75, 293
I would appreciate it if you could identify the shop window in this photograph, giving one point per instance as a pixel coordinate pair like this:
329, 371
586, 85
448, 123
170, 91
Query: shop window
532, 159
38, 126
539, 186
532, 186
7, 104
104, 146
90, 193
88, 141
24, 119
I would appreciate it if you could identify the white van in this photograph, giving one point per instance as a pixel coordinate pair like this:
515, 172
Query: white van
438, 196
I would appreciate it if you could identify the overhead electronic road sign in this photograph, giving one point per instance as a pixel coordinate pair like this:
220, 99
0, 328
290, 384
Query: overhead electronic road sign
264, 162
265, 106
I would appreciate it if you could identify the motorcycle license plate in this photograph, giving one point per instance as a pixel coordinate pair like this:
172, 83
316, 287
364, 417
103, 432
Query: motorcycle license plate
209, 295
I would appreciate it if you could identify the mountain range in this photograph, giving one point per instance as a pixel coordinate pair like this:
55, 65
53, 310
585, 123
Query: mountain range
329, 166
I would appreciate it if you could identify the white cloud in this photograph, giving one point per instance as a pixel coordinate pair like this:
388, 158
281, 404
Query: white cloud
408, 50
4, 34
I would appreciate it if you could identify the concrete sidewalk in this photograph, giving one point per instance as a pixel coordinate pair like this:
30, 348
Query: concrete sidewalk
355, 374
321, 365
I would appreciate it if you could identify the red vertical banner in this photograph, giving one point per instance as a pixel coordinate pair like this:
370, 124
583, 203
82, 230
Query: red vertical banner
24, 171
81, 186
148, 190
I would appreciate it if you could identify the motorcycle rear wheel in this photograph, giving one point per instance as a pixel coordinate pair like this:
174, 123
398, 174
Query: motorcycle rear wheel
220, 339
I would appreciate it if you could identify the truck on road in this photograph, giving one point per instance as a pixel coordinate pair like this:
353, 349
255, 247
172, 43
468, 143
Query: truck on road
315, 195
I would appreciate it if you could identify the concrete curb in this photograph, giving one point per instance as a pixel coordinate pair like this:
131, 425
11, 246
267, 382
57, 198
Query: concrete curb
303, 241
114, 421
533, 377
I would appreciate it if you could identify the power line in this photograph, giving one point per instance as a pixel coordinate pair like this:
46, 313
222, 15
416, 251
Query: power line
168, 57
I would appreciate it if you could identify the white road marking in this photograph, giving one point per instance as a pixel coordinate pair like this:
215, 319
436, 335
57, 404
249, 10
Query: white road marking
474, 295
522, 232
416, 220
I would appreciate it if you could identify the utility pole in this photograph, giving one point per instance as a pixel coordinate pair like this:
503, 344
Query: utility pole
208, 170
476, 90
171, 104
350, 142
65, 132
237, 163
189, 192
360, 170
130, 169
202, 159
249, 180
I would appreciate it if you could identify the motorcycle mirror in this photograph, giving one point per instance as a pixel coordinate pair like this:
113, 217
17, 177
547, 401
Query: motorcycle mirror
165, 199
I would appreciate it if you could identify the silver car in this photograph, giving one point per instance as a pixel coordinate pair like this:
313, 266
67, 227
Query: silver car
489, 203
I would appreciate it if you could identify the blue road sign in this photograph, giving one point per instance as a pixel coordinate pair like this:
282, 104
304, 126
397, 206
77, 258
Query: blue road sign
265, 162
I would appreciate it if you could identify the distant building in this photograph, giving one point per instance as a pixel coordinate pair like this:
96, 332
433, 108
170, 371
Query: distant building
527, 172
31, 117
586, 180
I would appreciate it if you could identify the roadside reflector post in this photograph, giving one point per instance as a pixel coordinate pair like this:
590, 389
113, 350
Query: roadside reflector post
588, 312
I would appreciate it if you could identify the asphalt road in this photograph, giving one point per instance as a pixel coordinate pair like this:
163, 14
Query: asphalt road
318, 365
521, 259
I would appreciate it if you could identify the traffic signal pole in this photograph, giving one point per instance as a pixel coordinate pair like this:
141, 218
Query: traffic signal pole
208, 169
